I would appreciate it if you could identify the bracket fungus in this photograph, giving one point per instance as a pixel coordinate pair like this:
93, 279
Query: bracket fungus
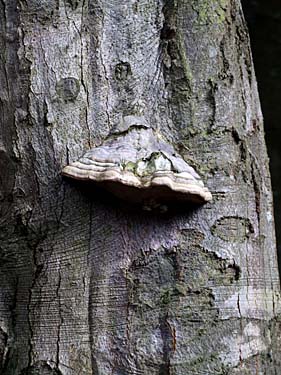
138, 167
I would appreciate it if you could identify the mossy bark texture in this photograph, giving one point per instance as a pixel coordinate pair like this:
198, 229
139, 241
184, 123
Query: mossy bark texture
91, 284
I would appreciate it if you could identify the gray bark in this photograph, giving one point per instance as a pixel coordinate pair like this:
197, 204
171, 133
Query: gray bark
264, 21
91, 284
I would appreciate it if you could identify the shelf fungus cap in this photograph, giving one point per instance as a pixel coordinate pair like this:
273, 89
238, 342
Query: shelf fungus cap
139, 167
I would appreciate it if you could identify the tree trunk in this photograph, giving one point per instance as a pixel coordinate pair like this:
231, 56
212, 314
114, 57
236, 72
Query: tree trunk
92, 284
264, 21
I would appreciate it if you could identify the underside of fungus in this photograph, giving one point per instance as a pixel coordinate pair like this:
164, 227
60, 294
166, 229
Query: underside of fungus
138, 167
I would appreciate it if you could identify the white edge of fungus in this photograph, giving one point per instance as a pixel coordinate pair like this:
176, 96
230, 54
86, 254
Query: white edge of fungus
179, 182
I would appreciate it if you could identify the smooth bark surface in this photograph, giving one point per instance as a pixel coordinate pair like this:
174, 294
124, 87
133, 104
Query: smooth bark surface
91, 284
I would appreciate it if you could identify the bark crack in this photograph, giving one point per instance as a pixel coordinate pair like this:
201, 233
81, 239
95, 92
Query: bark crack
30, 352
168, 334
241, 327
90, 307
83, 81
60, 318
257, 193
106, 78
212, 100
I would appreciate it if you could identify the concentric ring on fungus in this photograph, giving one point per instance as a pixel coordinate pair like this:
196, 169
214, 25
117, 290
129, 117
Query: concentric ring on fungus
137, 166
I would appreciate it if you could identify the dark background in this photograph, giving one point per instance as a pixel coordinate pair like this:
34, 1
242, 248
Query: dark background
264, 22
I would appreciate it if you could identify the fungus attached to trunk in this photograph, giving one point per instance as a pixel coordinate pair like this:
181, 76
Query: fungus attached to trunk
139, 167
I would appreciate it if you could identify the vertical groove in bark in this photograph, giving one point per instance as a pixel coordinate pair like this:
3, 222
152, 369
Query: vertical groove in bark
90, 285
